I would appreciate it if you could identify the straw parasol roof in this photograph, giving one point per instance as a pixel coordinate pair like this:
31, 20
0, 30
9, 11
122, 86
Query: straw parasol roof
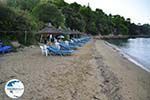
75, 32
69, 31
49, 30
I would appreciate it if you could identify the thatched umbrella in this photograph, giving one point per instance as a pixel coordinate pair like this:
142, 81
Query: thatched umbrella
49, 31
75, 34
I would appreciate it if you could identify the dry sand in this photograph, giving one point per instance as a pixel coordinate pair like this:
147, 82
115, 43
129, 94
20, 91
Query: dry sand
94, 72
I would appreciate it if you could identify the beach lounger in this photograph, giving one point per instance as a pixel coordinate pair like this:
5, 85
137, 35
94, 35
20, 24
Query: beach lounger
5, 49
82, 40
67, 47
75, 42
57, 51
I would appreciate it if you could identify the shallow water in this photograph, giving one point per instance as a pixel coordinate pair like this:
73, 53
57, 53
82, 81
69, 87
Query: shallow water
137, 48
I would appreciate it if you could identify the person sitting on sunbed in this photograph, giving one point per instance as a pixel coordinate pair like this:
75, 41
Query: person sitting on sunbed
57, 44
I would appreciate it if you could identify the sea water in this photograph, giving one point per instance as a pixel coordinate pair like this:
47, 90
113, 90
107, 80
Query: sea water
136, 48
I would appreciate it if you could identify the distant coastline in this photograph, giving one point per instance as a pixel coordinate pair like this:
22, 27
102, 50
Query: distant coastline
121, 36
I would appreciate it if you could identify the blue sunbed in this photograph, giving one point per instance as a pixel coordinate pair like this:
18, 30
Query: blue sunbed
5, 49
57, 51
68, 47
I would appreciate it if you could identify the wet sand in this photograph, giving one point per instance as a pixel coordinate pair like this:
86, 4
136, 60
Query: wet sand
94, 72
134, 82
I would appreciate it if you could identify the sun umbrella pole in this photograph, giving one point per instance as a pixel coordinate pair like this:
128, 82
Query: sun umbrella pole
41, 37
25, 38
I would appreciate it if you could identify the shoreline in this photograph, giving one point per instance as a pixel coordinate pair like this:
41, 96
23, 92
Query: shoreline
133, 80
105, 37
128, 57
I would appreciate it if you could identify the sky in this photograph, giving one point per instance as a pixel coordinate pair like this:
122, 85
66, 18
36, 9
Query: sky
137, 10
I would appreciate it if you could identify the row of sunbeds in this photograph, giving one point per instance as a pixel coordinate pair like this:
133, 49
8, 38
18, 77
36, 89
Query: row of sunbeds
65, 48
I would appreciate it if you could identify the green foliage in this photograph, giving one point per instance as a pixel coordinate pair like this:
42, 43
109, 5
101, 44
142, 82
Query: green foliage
48, 12
75, 7
89, 18
15, 22
74, 19
20, 16
103, 24
59, 3
120, 25
6, 18
145, 29
23, 4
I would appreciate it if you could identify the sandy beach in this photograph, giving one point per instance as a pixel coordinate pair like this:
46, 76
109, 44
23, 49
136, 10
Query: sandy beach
95, 72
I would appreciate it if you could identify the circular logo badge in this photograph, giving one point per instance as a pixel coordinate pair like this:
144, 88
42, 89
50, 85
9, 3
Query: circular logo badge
14, 88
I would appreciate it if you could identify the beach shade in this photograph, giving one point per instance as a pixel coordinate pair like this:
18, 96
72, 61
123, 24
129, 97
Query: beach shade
49, 30
75, 34
67, 31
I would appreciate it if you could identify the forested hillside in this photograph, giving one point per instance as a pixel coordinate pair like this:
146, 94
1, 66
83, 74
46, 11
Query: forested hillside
20, 16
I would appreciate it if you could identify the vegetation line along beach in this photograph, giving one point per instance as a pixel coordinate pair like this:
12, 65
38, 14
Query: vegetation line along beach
26, 17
